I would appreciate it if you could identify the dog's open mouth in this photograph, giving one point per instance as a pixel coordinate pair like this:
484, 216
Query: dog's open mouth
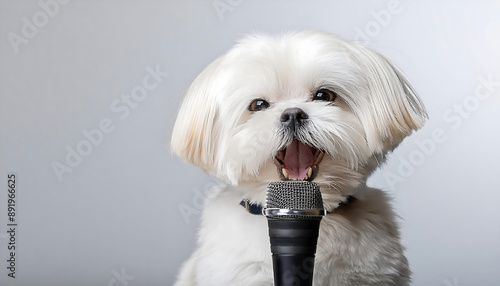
298, 161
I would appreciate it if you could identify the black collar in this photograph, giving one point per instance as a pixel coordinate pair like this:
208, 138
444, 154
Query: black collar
256, 209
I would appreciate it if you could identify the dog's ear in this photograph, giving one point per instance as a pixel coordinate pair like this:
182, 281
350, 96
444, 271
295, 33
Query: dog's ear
393, 109
196, 127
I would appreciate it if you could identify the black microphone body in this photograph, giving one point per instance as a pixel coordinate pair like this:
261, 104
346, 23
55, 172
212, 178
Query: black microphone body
294, 210
293, 245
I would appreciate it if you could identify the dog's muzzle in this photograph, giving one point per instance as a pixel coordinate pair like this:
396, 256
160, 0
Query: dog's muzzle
298, 161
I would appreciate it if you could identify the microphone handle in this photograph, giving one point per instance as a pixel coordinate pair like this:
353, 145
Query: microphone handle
293, 245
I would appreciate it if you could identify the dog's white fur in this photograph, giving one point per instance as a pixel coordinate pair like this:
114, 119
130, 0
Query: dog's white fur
375, 110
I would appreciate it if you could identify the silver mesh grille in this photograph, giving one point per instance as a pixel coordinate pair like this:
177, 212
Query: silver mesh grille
294, 195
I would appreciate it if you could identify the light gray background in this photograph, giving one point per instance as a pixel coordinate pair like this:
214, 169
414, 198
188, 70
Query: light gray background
129, 209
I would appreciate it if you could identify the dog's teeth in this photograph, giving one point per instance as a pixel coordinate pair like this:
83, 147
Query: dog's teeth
307, 175
285, 173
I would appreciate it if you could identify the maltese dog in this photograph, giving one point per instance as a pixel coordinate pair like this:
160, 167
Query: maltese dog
300, 106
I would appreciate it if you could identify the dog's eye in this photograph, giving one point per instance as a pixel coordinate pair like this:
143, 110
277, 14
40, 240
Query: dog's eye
325, 95
258, 104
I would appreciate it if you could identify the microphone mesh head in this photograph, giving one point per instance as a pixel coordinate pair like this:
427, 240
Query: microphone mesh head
294, 195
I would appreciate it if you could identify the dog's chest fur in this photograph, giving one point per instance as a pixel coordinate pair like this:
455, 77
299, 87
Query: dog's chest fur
358, 245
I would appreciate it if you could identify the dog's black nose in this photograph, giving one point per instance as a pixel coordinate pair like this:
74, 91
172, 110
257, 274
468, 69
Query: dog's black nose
293, 117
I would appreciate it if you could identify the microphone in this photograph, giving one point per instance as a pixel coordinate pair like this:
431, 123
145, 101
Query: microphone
294, 210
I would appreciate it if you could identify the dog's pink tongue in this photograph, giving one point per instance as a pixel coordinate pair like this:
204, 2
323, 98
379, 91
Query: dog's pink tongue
298, 158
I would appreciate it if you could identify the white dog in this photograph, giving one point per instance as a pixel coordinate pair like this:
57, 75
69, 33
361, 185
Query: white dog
300, 106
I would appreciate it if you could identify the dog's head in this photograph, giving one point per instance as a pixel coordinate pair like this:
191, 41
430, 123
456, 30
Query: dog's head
301, 106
